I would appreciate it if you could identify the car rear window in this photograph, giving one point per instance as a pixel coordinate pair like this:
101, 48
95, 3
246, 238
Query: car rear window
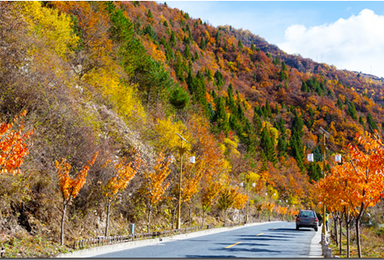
306, 214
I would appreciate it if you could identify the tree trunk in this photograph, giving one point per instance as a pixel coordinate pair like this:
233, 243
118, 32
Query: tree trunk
335, 221
347, 227
149, 218
62, 224
203, 216
107, 219
357, 226
190, 218
225, 217
173, 218
341, 235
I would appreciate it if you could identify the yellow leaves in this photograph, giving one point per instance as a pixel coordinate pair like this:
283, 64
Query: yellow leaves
272, 192
121, 95
252, 177
166, 131
232, 66
231, 146
49, 23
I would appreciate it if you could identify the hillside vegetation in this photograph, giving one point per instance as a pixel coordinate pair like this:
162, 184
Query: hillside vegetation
107, 86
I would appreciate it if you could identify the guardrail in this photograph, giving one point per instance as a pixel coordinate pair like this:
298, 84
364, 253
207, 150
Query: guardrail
102, 240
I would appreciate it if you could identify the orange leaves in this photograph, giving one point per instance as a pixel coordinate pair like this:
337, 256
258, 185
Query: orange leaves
240, 200
123, 174
359, 181
191, 181
69, 186
13, 147
154, 186
270, 206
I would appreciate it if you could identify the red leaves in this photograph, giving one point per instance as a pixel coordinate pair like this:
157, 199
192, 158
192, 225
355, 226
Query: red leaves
13, 147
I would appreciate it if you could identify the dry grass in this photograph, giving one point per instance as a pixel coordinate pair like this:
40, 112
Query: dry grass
22, 246
372, 244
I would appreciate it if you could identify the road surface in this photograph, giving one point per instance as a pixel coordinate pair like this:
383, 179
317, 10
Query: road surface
270, 240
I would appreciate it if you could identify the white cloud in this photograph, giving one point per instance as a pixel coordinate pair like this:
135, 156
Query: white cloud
356, 43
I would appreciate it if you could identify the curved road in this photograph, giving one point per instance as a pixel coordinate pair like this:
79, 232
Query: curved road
275, 240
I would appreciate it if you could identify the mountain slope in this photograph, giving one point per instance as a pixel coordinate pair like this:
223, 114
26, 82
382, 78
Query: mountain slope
122, 78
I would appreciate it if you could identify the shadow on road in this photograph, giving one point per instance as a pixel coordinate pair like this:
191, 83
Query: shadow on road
211, 256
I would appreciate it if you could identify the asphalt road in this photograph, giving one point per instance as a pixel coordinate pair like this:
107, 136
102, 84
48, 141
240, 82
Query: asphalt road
270, 240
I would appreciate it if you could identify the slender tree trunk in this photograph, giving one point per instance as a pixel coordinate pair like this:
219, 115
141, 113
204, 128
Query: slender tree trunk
173, 217
357, 226
107, 219
341, 234
225, 217
149, 218
62, 223
347, 227
335, 221
203, 217
190, 218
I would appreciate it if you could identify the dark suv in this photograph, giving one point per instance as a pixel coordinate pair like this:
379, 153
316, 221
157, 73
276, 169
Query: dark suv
307, 218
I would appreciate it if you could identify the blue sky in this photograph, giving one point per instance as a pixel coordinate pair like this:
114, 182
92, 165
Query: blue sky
347, 34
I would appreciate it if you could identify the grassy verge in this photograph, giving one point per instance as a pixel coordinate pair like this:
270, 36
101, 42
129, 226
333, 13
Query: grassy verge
32, 247
372, 244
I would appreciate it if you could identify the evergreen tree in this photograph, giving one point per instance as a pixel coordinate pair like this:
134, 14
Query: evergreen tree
297, 148
187, 52
231, 101
304, 87
257, 122
314, 171
240, 44
361, 121
221, 116
267, 145
172, 40
179, 98
371, 123
219, 78
352, 110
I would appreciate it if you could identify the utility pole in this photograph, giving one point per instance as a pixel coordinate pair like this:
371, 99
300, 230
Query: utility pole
181, 152
323, 150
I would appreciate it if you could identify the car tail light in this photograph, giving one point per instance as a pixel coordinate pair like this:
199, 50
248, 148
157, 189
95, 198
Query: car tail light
297, 219
316, 220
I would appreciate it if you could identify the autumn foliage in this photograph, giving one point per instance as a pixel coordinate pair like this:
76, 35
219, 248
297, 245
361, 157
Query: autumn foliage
120, 76
13, 145
70, 186
357, 184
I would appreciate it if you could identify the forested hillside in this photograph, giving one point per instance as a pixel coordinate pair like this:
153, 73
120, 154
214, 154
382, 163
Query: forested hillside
108, 86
